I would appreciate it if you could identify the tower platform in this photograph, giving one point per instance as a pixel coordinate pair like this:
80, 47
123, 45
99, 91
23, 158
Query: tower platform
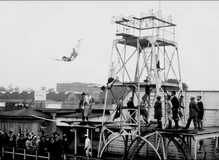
144, 84
131, 40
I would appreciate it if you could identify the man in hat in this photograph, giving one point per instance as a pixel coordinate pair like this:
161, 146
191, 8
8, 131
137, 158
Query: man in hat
87, 146
193, 113
175, 108
84, 106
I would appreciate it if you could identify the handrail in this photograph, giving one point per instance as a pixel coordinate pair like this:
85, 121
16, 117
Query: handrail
24, 154
82, 157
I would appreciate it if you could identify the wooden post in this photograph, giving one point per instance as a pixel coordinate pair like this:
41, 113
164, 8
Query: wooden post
146, 148
165, 148
24, 154
48, 155
195, 149
92, 142
216, 143
36, 155
2, 151
75, 142
126, 146
13, 154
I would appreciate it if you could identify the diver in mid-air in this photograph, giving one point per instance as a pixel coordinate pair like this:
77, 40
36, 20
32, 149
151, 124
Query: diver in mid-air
73, 55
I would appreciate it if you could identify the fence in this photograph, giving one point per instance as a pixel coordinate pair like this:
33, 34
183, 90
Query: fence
23, 152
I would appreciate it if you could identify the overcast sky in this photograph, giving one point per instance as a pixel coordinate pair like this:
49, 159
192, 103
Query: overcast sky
33, 32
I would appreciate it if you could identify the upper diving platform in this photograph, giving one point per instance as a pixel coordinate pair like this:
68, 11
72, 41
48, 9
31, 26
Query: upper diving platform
149, 25
166, 85
131, 40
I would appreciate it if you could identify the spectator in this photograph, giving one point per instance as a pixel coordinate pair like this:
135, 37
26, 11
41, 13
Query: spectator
47, 143
26, 138
51, 148
28, 144
143, 111
200, 113
57, 147
193, 113
12, 139
5, 139
181, 106
37, 141
84, 106
21, 141
158, 111
169, 107
34, 143
42, 145
65, 145
175, 103
91, 101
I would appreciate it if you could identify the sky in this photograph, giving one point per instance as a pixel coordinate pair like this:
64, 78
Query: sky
33, 32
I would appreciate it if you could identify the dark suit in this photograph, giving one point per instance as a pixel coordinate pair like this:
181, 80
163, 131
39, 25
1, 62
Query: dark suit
201, 110
193, 113
200, 114
176, 105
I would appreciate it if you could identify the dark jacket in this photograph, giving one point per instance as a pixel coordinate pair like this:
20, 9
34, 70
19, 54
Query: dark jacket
193, 109
175, 103
130, 104
158, 110
201, 110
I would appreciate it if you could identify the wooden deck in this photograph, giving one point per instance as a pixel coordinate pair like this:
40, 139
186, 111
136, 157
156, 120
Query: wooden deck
207, 132
144, 41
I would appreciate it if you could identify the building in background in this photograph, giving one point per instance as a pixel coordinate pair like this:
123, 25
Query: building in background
93, 89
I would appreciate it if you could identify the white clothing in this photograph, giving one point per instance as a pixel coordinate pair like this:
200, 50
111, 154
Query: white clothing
169, 107
86, 99
87, 147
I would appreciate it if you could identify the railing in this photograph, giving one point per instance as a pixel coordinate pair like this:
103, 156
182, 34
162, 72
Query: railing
80, 157
24, 153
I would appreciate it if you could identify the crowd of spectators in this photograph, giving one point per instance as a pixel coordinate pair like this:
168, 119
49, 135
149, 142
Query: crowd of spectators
54, 144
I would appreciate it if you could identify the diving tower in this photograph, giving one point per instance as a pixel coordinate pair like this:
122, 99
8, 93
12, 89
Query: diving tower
144, 58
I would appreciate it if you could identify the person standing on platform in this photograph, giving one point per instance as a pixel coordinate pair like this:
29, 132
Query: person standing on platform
130, 104
169, 107
87, 146
90, 100
175, 103
143, 111
200, 113
181, 106
81, 106
84, 106
193, 113
158, 111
